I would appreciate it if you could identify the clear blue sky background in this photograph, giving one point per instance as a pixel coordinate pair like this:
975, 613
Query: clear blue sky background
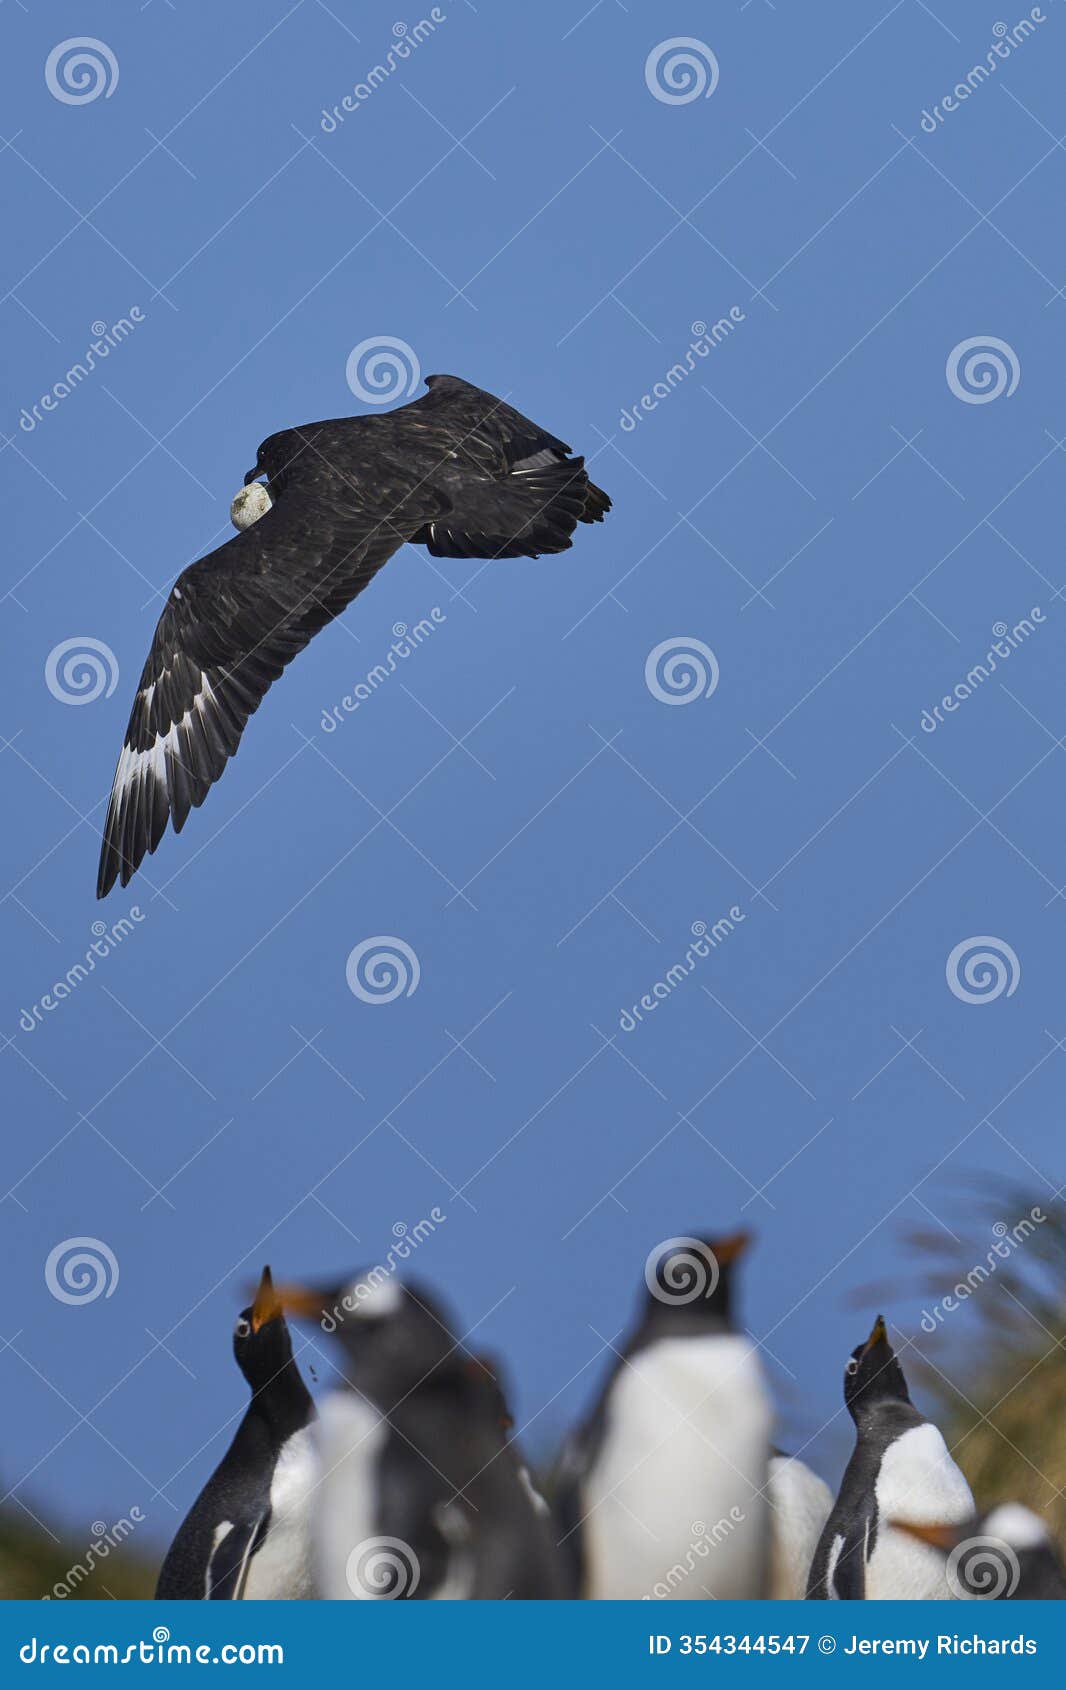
814, 503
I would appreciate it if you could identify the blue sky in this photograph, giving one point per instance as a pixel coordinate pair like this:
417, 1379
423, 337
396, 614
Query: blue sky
813, 502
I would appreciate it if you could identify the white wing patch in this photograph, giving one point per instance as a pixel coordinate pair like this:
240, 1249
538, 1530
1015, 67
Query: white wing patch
221, 1533
830, 1571
136, 766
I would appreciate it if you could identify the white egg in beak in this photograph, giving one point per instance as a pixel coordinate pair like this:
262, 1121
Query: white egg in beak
252, 502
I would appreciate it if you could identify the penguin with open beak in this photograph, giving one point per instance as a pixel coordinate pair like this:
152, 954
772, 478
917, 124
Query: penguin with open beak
900, 1470
247, 1535
422, 1495
663, 1491
1006, 1555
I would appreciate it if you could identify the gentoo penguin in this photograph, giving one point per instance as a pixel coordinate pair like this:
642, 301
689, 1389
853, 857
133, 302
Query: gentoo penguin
422, 1495
800, 1504
663, 1491
900, 1469
1005, 1555
247, 1534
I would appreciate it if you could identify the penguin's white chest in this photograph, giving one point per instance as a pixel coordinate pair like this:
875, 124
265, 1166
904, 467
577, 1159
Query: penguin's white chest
675, 1504
281, 1569
352, 1561
918, 1481
800, 1505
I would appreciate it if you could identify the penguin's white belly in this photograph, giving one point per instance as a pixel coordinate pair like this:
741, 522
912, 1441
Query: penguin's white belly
918, 1481
800, 1505
350, 1558
281, 1569
672, 1504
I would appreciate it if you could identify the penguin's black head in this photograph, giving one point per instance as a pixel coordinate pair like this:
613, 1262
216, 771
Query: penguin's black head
873, 1375
261, 1342
689, 1282
393, 1335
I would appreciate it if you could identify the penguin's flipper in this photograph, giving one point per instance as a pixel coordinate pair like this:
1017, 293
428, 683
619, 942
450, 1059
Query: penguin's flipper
848, 1577
227, 1570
